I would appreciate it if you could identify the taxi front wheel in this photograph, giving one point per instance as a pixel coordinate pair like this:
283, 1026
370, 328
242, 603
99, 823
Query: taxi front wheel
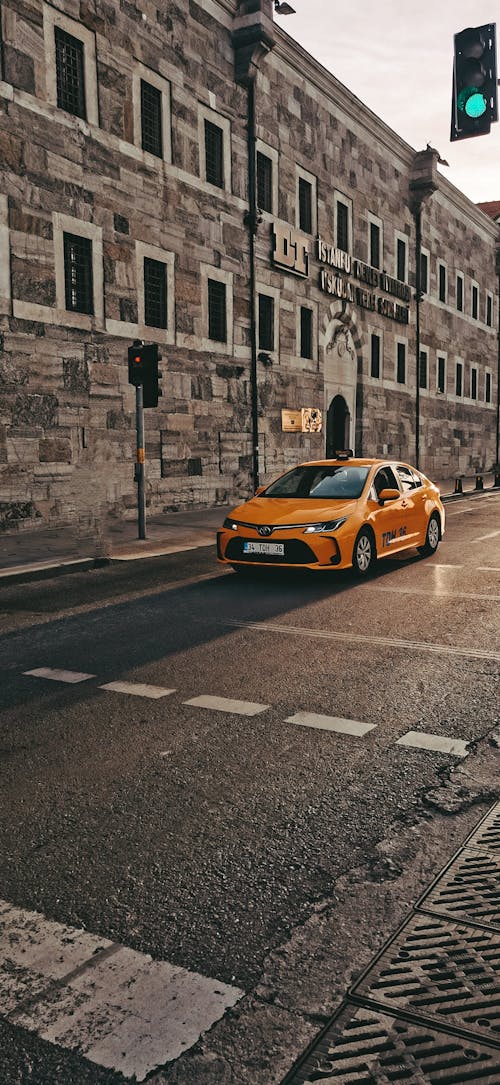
364, 554
431, 538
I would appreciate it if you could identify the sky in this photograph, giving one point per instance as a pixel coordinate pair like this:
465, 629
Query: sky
396, 56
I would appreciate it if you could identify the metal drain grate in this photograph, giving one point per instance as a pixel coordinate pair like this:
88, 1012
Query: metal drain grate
469, 889
487, 834
441, 971
367, 1047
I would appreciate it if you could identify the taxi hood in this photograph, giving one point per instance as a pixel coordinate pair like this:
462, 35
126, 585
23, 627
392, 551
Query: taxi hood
278, 511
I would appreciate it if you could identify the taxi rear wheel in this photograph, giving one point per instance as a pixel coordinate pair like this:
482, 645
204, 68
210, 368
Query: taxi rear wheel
432, 537
364, 554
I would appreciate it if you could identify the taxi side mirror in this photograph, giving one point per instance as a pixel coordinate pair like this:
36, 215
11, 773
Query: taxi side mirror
388, 495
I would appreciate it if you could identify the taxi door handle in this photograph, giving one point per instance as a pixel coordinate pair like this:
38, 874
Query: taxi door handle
404, 503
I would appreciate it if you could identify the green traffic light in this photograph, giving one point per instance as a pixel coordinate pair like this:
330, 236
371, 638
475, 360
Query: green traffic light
472, 102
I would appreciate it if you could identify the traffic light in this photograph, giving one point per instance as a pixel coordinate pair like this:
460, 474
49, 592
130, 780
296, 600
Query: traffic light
143, 369
475, 96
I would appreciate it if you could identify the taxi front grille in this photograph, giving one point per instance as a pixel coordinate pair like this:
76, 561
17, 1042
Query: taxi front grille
296, 552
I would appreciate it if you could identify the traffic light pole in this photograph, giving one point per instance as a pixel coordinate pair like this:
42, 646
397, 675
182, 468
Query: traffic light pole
139, 465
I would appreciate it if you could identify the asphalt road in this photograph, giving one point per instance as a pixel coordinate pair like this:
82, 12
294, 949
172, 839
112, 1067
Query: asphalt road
237, 837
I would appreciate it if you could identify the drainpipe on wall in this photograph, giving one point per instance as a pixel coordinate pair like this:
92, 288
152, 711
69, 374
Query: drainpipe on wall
253, 38
423, 182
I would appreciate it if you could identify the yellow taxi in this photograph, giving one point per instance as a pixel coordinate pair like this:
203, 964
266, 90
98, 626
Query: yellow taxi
334, 514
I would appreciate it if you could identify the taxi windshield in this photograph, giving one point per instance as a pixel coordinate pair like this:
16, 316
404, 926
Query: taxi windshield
333, 481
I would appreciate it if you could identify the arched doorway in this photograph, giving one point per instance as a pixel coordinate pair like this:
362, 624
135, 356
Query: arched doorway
338, 424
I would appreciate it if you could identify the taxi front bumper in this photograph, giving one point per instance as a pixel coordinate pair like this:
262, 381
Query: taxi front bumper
284, 549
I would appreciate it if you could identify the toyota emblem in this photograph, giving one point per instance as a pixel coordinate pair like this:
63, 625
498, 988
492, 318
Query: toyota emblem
265, 530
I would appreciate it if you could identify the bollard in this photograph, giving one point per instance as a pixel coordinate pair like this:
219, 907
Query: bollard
458, 485
479, 482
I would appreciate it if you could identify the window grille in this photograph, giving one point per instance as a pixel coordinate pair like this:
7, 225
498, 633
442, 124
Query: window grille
473, 384
266, 322
422, 373
214, 160
151, 121
401, 365
342, 226
78, 280
459, 379
442, 282
306, 332
264, 182
487, 388
217, 320
401, 260
70, 73
441, 374
374, 245
489, 310
375, 355
155, 293
424, 273
475, 302
305, 205
460, 294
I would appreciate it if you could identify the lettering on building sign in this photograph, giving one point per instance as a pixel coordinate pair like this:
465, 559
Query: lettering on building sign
290, 250
339, 286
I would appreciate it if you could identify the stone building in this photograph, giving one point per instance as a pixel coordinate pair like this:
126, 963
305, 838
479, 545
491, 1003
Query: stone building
186, 174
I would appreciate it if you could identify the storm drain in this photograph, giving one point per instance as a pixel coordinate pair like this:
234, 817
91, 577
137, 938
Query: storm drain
427, 1010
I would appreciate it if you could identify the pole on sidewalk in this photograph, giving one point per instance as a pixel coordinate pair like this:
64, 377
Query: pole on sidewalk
139, 466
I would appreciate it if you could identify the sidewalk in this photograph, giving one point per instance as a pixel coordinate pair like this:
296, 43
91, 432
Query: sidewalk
30, 553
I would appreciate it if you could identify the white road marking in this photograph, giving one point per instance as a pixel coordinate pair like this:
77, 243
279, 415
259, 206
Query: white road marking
361, 638
483, 538
116, 1007
330, 723
436, 743
225, 704
488, 569
60, 676
459, 512
437, 565
138, 689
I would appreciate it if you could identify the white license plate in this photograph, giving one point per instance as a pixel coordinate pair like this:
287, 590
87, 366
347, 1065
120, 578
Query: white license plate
263, 548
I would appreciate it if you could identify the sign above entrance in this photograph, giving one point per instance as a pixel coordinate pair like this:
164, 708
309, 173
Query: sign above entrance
340, 287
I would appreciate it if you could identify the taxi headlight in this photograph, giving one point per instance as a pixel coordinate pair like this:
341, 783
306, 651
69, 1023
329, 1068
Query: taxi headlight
231, 524
327, 525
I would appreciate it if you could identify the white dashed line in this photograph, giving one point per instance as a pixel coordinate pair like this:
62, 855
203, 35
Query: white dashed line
331, 723
484, 538
60, 676
225, 704
111, 1004
436, 743
138, 689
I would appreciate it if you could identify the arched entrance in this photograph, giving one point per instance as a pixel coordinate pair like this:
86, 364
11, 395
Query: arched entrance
338, 424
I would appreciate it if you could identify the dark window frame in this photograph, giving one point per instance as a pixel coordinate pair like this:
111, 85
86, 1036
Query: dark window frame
441, 374
306, 332
264, 182
375, 246
460, 293
214, 154
305, 205
487, 387
70, 73
401, 363
342, 234
474, 303
489, 311
78, 274
423, 369
155, 293
217, 310
375, 355
459, 380
473, 382
401, 259
266, 322
151, 119
442, 283
424, 273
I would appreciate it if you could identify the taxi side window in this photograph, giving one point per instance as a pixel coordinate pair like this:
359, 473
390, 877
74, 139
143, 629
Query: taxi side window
385, 479
409, 480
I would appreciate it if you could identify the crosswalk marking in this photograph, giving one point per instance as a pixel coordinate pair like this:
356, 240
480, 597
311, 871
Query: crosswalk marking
138, 689
115, 1006
331, 723
225, 704
420, 740
60, 676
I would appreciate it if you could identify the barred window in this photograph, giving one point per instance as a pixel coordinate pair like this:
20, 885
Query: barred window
424, 273
214, 157
70, 73
489, 310
155, 293
151, 124
375, 355
306, 332
401, 260
217, 319
473, 383
305, 205
266, 322
475, 302
78, 281
441, 373
401, 364
342, 226
460, 294
374, 244
459, 373
487, 387
422, 369
264, 182
442, 282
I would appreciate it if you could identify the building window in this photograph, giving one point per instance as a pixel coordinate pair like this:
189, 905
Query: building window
489, 310
375, 355
70, 78
422, 369
475, 302
459, 379
374, 245
214, 154
442, 282
487, 387
424, 273
155, 293
342, 238
306, 332
460, 293
264, 182
473, 383
217, 319
78, 280
151, 123
401, 363
441, 374
266, 322
401, 259
305, 205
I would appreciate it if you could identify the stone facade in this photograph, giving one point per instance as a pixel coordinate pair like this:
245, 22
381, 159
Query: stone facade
67, 422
